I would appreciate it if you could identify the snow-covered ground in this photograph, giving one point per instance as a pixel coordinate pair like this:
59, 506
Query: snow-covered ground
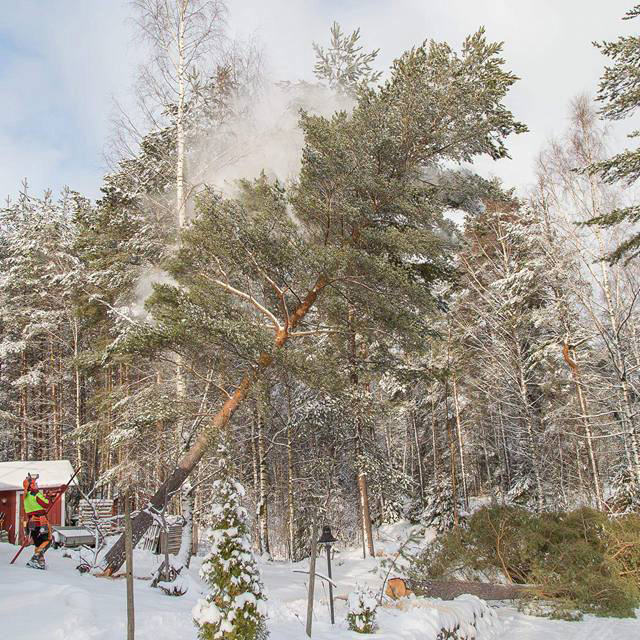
62, 604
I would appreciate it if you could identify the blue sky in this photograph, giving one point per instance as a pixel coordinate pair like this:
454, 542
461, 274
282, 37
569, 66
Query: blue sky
62, 63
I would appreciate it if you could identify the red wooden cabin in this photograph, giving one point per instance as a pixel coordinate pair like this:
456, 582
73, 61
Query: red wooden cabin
53, 474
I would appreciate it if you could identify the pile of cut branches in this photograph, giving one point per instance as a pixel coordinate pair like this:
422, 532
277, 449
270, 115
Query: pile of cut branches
573, 562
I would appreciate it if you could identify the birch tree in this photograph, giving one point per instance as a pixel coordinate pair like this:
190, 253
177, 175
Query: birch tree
578, 195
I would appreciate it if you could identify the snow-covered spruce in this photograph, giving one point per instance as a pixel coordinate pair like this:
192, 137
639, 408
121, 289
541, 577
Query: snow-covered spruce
235, 607
440, 505
362, 606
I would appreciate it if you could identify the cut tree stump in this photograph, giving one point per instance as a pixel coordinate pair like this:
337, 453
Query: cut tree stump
450, 589
397, 588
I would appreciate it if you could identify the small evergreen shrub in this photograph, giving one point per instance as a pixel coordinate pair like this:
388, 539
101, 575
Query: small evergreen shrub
439, 505
362, 605
577, 562
235, 606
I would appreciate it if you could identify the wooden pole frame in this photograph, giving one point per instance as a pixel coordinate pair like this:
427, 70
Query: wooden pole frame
128, 541
312, 576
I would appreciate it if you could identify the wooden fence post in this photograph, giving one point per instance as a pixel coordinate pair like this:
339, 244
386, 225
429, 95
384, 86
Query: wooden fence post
128, 540
312, 575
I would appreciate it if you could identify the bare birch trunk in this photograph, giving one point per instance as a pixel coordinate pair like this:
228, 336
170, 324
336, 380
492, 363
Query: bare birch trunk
531, 435
367, 530
571, 360
187, 507
453, 472
463, 475
433, 437
290, 502
418, 456
263, 505
78, 393
363, 491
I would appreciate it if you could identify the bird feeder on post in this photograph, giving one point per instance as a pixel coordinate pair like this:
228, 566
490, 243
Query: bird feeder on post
327, 540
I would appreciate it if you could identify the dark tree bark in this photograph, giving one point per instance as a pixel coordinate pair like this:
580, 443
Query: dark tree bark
450, 589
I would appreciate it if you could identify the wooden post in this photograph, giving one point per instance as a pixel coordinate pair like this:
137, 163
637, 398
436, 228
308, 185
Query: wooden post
128, 541
312, 575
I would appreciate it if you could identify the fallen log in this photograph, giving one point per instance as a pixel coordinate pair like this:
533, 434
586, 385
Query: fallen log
450, 589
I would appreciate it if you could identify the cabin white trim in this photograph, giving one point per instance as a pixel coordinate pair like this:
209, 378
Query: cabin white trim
53, 473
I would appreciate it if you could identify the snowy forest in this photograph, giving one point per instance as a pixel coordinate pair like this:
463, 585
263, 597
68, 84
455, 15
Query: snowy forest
310, 282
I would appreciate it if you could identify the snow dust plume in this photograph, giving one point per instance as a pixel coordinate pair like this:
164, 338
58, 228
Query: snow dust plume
263, 135
143, 289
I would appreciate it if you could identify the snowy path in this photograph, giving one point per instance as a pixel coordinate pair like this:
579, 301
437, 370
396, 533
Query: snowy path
521, 627
61, 604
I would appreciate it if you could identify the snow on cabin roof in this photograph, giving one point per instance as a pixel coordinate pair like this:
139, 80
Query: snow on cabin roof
53, 473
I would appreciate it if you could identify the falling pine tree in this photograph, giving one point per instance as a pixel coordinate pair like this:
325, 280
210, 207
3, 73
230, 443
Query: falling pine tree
235, 607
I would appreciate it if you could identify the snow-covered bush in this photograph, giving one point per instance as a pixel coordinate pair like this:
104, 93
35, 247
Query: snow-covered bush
235, 607
361, 614
170, 580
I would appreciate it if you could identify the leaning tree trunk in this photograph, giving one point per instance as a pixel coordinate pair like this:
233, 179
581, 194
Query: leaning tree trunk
463, 471
143, 520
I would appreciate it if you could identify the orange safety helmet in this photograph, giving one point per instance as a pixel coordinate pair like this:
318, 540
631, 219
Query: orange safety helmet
30, 483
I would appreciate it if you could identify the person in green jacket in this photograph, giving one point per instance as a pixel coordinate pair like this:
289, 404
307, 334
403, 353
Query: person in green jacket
36, 505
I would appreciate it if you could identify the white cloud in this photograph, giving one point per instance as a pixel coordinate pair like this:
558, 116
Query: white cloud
61, 64
62, 61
